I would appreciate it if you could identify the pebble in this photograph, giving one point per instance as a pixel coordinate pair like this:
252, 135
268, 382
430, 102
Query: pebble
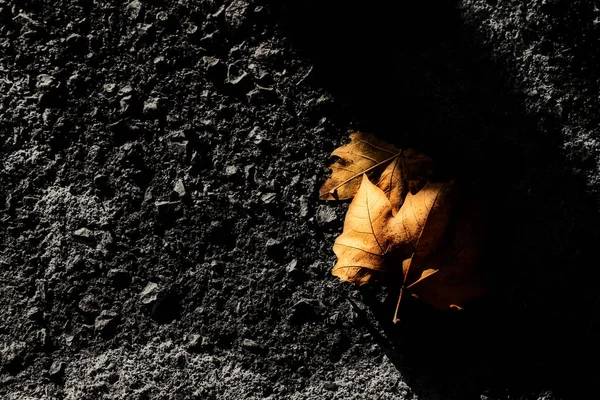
263, 51
119, 277
49, 116
125, 90
249, 172
251, 345
134, 10
195, 343
88, 305
45, 81
101, 181
76, 83
77, 43
237, 76
180, 188
151, 106
162, 17
106, 322
326, 215
304, 310
166, 209
109, 88
274, 248
261, 95
209, 40
126, 102
34, 313
160, 64
146, 30
84, 233
166, 308
130, 153
69, 340
265, 78
231, 170
150, 294
256, 134
11, 355
57, 369
268, 198
191, 30
219, 12
215, 68
291, 267
105, 241
217, 267
211, 62
198, 343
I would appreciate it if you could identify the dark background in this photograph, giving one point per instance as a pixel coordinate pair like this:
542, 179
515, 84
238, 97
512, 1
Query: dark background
162, 236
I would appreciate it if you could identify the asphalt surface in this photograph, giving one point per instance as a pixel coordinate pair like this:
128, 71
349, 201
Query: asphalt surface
161, 235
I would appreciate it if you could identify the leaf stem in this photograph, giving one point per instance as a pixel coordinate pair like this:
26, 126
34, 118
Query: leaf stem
396, 319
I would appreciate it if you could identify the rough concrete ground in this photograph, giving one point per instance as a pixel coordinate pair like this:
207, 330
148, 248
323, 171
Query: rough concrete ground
161, 234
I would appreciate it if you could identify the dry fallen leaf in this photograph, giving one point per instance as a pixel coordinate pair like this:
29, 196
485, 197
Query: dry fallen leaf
403, 222
396, 171
372, 235
363, 246
451, 277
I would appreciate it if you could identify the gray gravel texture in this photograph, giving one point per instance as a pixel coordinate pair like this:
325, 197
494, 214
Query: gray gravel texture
161, 234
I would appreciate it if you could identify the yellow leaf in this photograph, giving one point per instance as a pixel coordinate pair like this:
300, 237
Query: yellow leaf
383, 163
458, 279
371, 233
406, 222
430, 209
362, 247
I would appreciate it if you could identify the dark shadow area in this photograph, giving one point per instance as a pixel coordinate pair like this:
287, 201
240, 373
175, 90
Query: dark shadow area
418, 78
